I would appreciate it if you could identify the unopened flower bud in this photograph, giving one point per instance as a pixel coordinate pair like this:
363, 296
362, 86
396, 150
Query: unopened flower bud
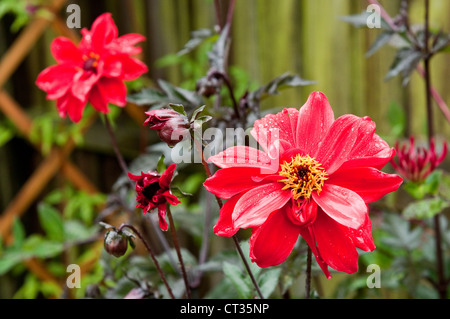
116, 244
171, 126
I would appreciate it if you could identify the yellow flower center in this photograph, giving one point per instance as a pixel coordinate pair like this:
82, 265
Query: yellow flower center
91, 62
303, 175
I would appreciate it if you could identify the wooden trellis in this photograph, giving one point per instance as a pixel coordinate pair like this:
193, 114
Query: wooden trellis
57, 161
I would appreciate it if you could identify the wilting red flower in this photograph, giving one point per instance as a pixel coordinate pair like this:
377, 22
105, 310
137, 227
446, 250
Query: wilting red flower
153, 191
314, 179
94, 71
170, 125
416, 163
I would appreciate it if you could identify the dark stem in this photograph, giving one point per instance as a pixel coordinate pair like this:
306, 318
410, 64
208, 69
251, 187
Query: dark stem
308, 274
227, 82
442, 282
223, 73
218, 14
427, 59
147, 246
238, 247
115, 146
177, 248
235, 239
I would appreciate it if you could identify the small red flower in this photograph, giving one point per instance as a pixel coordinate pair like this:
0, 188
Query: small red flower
153, 191
170, 125
94, 71
313, 179
416, 163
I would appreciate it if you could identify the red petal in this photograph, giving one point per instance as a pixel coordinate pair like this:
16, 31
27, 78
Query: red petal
125, 44
272, 243
308, 235
103, 31
65, 51
367, 182
83, 83
343, 205
108, 90
375, 154
334, 244
97, 100
132, 68
362, 237
171, 198
225, 226
256, 205
112, 67
166, 176
315, 119
69, 104
56, 80
228, 182
162, 217
242, 156
337, 145
275, 127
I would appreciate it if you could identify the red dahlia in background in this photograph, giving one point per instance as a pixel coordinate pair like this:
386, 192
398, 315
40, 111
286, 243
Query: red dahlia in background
153, 191
94, 71
313, 179
416, 163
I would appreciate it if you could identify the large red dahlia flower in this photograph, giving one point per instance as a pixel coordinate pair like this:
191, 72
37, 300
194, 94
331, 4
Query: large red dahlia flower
314, 179
94, 71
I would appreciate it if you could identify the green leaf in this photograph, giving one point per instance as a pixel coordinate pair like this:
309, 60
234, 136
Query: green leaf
161, 167
6, 134
400, 234
197, 38
428, 187
268, 281
382, 39
357, 20
197, 112
39, 247
425, 208
405, 63
51, 222
9, 259
234, 274
178, 108
273, 87
18, 232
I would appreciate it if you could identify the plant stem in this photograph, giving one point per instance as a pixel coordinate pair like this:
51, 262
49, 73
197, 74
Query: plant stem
115, 146
308, 274
177, 248
238, 247
151, 254
441, 284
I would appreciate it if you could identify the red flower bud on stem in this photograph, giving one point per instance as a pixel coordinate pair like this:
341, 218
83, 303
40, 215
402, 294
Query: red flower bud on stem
171, 126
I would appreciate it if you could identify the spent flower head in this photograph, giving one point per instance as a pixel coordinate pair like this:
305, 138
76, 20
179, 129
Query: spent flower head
153, 191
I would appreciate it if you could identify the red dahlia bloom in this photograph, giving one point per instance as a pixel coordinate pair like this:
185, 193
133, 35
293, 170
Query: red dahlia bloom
314, 179
153, 191
94, 71
416, 163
